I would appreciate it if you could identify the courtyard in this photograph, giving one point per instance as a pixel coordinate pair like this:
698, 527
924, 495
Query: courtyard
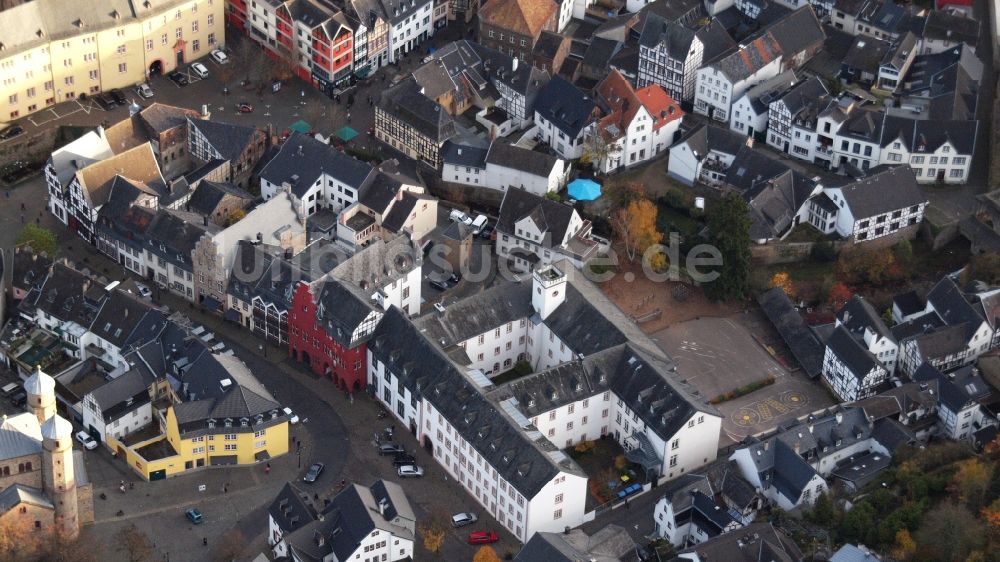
717, 355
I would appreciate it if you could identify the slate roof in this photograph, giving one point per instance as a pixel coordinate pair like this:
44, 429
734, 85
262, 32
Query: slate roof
565, 106
19, 493
177, 232
952, 306
341, 310
405, 102
460, 154
862, 468
600, 52
773, 204
28, 268
716, 40
797, 32
803, 343
237, 402
303, 159
858, 314
851, 352
952, 389
680, 491
228, 139
908, 303
890, 190
945, 26
69, 295
552, 217
548, 44
114, 394
755, 543
748, 59
761, 95
119, 315
260, 270
866, 53
486, 310
803, 95
752, 168
209, 194
610, 544
400, 211
521, 159
291, 509
20, 435
703, 139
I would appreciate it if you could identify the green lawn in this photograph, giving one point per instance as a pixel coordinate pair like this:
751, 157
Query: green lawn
667, 215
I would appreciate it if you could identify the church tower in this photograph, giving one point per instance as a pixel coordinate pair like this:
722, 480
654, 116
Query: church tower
59, 480
41, 391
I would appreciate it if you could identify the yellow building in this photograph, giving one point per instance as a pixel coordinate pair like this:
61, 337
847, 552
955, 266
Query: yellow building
240, 427
53, 50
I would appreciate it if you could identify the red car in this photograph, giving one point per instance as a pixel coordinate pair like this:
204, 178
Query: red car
245, 108
483, 537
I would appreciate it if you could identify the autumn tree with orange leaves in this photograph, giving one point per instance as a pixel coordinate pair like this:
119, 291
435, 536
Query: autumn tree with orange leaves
783, 280
635, 227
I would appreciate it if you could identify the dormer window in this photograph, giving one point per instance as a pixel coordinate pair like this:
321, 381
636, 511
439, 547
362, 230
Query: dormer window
211, 424
244, 422
229, 422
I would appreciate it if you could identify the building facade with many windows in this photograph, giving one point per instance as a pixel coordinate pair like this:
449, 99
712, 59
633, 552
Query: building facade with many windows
53, 51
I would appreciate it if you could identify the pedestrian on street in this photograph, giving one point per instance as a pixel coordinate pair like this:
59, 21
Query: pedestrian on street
225, 488
22, 206
131, 485
204, 541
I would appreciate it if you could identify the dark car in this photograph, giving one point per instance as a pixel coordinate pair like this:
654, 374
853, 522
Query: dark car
106, 102
440, 285
11, 132
19, 399
403, 459
313, 473
244, 107
118, 96
390, 449
178, 78
486, 232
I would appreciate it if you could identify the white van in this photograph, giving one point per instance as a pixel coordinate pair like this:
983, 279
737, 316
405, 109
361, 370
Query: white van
479, 223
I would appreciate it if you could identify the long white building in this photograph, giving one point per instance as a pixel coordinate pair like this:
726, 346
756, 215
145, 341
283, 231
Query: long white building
596, 374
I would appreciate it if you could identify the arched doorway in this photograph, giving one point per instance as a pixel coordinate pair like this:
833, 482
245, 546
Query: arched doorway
156, 68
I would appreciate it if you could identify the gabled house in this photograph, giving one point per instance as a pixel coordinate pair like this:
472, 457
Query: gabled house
260, 289
751, 110
218, 201
413, 124
507, 166
799, 36
388, 205
860, 353
793, 117
757, 542
884, 203
277, 222
635, 127
724, 81
960, 396
565, 115
945, 29
375, 520
120, 406
291, 510
165, 128
704, 154
316, 174
169, 244
671, 52
62, 165
513, 26
239, 147
533, 230
688, 514
896, 63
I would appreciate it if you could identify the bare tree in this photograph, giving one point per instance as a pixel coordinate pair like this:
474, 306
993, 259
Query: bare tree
135, 543
230, 546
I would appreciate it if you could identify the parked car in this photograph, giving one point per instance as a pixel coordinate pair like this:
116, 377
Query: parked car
463, 519
220, 57
11, 132
10, 388
390, 449
105, 101
630, 490
144, 290
118, 96
479, 224
487, 232
86, 440
199, 70
313, 473
409, 471
194, 515
178, 78
292, 417
403, 459
244, 107
144, 91
483, 537
440, 285
459, 216
20, 398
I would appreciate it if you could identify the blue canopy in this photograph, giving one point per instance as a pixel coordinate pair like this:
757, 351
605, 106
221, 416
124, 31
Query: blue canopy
584, 189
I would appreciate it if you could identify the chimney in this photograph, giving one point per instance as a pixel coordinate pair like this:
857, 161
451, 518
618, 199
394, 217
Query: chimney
839, 417
383, 508
514, 65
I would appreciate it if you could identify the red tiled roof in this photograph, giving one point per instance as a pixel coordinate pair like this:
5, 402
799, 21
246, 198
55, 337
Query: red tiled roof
525, 17
659, 104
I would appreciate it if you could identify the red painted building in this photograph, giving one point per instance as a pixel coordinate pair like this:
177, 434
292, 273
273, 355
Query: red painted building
236, 14
328, 327
333, 48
